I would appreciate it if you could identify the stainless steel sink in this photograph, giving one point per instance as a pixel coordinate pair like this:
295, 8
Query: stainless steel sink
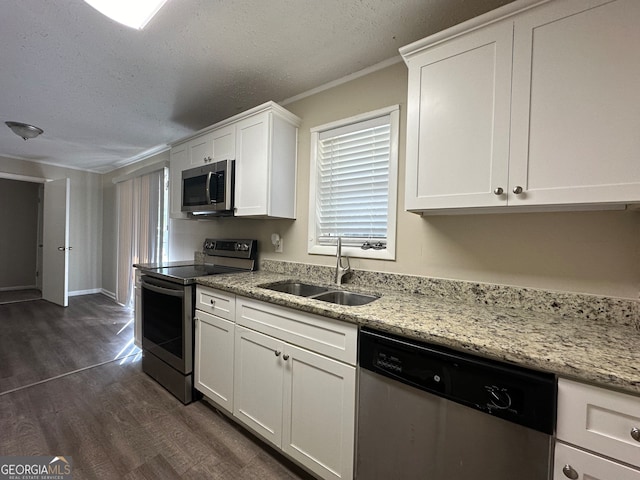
296, 288
324, 294
342, 297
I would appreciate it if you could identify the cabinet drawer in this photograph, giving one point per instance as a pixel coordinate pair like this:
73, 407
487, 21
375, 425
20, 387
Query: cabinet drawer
589, 466
599, 420
329, 337
216, 302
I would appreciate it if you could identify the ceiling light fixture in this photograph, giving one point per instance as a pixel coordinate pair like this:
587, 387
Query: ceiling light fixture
24, 130
132, 13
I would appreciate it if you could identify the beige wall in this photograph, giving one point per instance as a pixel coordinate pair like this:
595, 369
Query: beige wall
85, 222
18, 242
586, 252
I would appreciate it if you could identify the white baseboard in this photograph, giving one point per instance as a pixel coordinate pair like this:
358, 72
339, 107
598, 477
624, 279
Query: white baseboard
109, 294
25, 287
77, 293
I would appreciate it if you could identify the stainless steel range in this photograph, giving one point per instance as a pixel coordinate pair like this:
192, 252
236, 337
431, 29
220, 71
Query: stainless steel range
168, 302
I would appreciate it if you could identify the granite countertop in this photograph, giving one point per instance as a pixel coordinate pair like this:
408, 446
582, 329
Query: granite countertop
599, 352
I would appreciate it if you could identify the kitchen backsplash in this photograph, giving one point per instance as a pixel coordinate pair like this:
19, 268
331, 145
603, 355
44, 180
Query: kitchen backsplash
563, 304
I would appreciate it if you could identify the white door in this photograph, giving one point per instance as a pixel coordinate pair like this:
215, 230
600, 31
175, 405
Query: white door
320, 406
213, 363
570, 461
55, 251
575, 117
458, 121
258, 376
252, 165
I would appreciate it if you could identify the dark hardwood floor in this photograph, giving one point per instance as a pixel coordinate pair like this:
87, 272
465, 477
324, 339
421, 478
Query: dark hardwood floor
40, 340
112, 419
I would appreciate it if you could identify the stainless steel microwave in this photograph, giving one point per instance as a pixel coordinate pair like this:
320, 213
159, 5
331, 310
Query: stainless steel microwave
208, 190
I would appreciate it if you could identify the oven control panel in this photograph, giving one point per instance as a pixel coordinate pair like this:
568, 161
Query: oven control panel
230, 248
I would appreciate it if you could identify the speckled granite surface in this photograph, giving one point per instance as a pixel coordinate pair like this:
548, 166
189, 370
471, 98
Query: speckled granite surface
591, 347
566, 305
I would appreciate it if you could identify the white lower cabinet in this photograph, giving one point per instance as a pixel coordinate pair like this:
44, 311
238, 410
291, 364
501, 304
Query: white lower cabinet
319, 401
288, 376
258, 380
302, 402
213, 366
598, 433
573, 463
137, 310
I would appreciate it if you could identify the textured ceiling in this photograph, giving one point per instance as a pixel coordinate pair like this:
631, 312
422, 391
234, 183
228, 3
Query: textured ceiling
104, 93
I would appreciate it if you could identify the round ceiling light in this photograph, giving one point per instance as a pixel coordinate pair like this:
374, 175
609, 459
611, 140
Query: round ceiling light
24, 130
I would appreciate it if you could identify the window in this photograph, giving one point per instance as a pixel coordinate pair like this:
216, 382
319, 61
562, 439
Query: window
142, 226
353, 185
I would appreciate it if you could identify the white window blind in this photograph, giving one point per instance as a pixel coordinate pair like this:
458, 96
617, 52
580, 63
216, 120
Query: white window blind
352, 183
142, 225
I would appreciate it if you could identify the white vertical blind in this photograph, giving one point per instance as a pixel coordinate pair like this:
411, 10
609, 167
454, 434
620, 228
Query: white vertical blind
141, 227
352, 190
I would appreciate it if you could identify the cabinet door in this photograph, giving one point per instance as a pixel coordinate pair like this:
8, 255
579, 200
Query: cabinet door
319, 406
575, 103
588, 466
201, 150
179, 161
252, 165
224, 143
458, 121
258, 377
601, 420
213, 367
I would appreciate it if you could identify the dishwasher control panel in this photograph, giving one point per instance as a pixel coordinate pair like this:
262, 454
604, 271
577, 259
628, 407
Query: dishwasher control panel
514, 393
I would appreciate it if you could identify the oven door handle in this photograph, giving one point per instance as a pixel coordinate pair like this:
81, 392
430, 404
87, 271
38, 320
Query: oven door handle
163, 291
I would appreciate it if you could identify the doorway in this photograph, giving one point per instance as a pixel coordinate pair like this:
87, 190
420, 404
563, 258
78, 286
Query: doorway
21, 242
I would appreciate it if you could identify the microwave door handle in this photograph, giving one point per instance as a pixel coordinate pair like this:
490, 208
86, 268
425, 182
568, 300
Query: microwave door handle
163, 291
208, 188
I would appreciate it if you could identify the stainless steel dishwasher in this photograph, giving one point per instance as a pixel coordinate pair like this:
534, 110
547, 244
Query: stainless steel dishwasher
431, 413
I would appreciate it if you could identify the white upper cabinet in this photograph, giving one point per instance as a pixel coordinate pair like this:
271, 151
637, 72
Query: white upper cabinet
264, 144
576, 103
266, 159
458, 121
215, 146
556, 127
200, 150
178, 161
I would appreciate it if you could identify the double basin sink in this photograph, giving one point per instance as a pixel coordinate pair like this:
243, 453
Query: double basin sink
318, 292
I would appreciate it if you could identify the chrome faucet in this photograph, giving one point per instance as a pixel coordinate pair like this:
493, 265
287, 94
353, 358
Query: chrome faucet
341, 270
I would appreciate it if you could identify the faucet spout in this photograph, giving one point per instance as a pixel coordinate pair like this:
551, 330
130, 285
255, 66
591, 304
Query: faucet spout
341, 270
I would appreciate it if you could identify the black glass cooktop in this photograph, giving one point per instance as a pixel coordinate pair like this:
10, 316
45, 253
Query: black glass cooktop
186, 273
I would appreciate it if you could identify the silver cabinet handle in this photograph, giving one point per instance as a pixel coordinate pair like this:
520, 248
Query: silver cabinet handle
518, 190
570, 472
285, 357
635, 434
277, 352
498, 191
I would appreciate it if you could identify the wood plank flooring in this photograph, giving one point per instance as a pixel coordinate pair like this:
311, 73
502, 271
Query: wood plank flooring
40, 340
112, 419
12, 296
